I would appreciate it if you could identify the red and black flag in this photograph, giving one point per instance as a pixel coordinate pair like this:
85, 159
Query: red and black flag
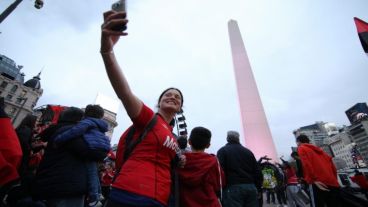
362, 28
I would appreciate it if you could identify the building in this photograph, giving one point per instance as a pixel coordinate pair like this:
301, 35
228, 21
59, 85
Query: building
110, 118
318, 132
20, 97
340, 145
357, 112
256, 131
110, 106
359, 134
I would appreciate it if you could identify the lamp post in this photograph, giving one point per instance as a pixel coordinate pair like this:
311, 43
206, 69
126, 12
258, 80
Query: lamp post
11, 7
9, 10
21, 107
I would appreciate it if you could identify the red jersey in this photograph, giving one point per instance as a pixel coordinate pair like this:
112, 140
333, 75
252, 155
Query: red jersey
317, 165
147, 172
10, 152
199, 180
291, 176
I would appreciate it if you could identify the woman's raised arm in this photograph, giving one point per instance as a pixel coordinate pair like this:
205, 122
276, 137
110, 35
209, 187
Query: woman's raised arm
109, 38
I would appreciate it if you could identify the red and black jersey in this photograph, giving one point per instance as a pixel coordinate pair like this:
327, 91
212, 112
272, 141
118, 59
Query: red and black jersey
147, 171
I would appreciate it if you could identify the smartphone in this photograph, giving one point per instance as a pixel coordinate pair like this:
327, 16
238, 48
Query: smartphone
119, 6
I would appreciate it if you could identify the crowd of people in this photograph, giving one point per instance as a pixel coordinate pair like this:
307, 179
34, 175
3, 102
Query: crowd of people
73, 166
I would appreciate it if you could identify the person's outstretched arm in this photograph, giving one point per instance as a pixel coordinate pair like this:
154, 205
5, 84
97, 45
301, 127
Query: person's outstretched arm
75, 132
109, 38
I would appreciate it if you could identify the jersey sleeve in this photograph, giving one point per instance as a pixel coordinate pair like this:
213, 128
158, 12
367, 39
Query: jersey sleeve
144, 117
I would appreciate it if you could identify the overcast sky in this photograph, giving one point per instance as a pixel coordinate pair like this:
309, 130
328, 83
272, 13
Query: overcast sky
306, 57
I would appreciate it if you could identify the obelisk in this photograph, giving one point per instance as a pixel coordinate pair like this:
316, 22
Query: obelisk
256, 131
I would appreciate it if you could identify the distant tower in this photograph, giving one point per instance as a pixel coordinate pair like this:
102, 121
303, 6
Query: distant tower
257, 134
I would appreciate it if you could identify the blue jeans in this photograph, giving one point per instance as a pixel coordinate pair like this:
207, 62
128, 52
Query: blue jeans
94, 188
240, 195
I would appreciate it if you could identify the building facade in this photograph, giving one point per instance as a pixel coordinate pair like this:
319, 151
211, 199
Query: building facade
318, 132
110, 118
359, 134
341, 145
20, 97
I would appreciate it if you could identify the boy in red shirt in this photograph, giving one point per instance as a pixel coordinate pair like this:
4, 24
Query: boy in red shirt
201, 179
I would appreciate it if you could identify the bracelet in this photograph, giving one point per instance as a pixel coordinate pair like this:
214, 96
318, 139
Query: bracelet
107, 53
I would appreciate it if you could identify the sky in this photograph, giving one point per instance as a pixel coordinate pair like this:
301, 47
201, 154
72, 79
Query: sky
306, 58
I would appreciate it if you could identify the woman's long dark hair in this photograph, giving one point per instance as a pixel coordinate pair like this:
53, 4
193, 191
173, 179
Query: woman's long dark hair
162, 94
28, 121
179, 119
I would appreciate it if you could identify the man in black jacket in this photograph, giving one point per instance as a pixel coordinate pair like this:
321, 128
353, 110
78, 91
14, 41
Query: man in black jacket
61, 179
243, 175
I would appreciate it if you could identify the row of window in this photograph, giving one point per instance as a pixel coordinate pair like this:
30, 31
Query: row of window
7, 60
14, 89
19, 100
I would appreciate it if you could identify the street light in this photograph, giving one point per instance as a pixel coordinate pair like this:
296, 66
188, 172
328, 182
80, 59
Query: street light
38, 4
11, 7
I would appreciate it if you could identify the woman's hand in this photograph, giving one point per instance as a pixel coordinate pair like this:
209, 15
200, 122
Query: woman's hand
110, 37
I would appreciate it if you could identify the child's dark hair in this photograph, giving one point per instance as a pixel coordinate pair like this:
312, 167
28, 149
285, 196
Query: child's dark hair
94, 111
71, 115
200, 138
303, 138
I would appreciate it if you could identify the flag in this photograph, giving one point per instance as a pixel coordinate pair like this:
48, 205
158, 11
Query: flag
362, 28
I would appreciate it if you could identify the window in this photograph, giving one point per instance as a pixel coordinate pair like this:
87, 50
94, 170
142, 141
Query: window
24, 93
14, 89
12, 111
9, 97
4, 84
18, 100
21, 100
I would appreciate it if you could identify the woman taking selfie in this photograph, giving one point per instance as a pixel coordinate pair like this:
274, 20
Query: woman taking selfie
144, 177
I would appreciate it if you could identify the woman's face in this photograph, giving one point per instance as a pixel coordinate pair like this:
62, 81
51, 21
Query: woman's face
171, 100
